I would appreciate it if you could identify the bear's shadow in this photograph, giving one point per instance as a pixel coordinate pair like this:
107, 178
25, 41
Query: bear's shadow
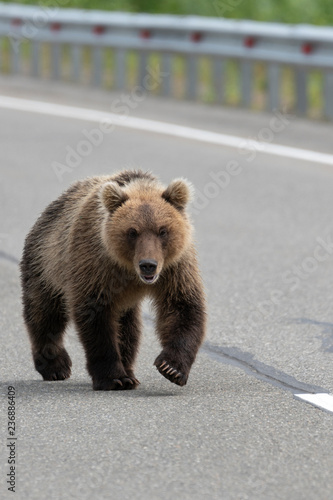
32, 388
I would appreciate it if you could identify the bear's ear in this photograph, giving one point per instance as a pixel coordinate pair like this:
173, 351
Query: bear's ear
178, 193
112, 196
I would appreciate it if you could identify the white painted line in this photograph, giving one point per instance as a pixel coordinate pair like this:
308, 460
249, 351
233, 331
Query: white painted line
321, 400
241, 143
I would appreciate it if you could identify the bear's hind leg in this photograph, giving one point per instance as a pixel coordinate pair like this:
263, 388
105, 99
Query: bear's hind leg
129, 337
46, 318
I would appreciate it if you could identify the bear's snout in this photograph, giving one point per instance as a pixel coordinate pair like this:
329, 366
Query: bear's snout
148, 266
147, 271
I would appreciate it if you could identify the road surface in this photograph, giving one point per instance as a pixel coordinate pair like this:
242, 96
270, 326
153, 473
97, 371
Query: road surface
264, 231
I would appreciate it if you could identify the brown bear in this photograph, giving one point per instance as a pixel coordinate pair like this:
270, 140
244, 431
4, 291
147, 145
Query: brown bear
92, 256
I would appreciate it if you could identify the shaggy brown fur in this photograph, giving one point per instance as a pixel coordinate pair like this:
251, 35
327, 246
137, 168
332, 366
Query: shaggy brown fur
92, 256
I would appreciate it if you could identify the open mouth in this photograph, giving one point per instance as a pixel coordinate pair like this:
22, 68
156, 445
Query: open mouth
149, 280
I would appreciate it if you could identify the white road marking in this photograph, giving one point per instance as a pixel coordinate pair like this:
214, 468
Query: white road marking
47, 108
320, 400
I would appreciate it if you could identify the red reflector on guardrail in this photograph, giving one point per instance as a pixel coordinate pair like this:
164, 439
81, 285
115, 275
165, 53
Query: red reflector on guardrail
98, 30
145, 34
196, 37
249, 41
307, 48
55, 26
16, 22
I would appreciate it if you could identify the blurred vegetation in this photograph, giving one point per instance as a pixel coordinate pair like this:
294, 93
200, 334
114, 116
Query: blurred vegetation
318, 12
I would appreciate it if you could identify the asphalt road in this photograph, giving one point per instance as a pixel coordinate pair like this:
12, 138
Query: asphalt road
265, 240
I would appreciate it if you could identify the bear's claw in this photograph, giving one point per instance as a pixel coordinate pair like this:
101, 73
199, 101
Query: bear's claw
116, 384
57, 376
171, 373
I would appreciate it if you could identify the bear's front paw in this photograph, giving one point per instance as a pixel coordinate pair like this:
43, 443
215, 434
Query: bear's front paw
53, 368
115, 384
169, 371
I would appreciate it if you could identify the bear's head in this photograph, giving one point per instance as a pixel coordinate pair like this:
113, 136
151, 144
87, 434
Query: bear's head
146, 228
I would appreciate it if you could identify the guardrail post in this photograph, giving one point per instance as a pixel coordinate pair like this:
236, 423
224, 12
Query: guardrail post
56, 61
218, 79
328, 95
15, 59
97, 66
273, 75
301, 90
143, 66
35, 58
246, 83
76, 62
120, 69
166, 69
191, 77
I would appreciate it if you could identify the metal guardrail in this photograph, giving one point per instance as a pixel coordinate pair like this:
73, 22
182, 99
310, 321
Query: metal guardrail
69, 32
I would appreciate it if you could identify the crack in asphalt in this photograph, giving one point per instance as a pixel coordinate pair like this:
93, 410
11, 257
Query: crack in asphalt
247, 362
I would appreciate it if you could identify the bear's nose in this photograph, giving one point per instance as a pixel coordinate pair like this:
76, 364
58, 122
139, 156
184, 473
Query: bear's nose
148, 266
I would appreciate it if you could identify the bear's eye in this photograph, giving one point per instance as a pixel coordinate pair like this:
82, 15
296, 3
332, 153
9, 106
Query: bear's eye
132, 233
163, 232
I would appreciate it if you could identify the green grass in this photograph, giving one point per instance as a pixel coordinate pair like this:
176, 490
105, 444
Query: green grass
318, 12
